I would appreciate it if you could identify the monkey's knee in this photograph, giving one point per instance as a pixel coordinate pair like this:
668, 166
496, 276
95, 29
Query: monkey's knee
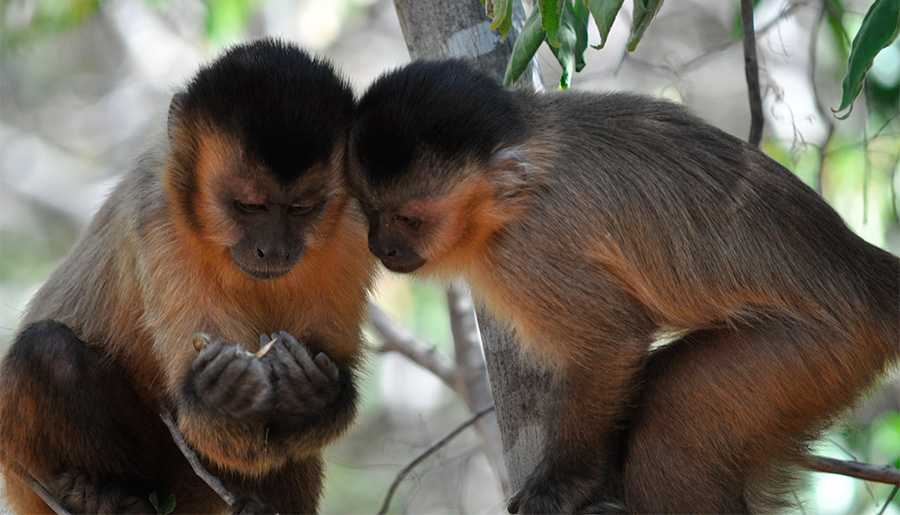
63, 406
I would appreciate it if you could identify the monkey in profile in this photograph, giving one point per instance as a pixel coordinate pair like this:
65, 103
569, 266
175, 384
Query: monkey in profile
239, 226
591, 223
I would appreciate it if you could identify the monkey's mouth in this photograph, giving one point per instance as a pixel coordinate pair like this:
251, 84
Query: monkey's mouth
403, 266
268, 273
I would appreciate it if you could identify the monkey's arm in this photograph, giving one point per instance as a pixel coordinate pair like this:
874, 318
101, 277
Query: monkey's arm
578, 465
315, 397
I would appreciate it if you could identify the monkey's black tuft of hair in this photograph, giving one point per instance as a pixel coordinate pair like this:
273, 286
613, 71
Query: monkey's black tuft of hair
286, 106
445, 107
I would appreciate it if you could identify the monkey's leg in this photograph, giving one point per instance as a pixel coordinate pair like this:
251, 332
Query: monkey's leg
723, 412
73, 421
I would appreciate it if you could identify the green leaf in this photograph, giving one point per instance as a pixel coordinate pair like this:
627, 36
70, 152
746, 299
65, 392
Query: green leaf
573, 34
524, 48
551, 13
604, 13
169, 506
879, 29
580, 18
644, 11
502, 16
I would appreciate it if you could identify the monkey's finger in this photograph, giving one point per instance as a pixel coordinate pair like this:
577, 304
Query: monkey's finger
288, 338
230, 379
326, 365
288, 368
301, 355
210, 374
254, 395
209, 353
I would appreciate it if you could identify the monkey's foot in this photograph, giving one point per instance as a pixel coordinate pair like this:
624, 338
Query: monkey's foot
80, 495
549, 490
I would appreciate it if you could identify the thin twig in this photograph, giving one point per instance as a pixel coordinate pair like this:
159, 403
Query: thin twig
877, 473
783, 15
185, 448
893, 186
824, 115
39, 489
428, 452
395, 338
889, 500
751, 71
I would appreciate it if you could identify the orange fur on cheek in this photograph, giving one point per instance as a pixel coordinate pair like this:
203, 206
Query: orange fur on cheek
469, 216
215, 158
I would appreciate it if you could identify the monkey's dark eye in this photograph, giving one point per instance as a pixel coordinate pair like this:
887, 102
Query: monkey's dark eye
412, 223
249, 208
301, 209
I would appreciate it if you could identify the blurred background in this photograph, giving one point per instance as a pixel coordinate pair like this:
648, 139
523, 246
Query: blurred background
84, 86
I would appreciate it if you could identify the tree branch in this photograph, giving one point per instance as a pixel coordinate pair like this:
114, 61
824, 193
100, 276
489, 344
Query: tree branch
395, 338
877, 473
475, 389
185, 448
428, 452
751, 70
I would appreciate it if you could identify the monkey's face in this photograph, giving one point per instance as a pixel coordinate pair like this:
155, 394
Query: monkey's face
410, 229
397, 234
271, 225
264, 224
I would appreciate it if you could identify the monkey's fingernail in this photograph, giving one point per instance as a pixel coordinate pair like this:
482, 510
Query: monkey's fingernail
266, 348
200, 340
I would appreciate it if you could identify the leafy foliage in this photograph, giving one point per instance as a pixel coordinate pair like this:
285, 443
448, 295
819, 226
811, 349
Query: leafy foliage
563, 24
604, 13
879, 29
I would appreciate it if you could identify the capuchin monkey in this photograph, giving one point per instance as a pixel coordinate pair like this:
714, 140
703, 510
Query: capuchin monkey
239, 228
591, 223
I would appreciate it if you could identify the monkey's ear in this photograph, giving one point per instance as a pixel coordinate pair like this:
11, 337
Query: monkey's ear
176, 107
510, 169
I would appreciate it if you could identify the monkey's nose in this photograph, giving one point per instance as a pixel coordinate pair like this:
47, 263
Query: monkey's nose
273, 254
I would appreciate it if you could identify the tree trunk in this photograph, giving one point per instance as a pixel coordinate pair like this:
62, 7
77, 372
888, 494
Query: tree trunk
522, 394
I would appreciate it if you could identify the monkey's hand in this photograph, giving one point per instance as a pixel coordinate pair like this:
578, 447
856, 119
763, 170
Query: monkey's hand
305, 385
81, 495
228, 379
